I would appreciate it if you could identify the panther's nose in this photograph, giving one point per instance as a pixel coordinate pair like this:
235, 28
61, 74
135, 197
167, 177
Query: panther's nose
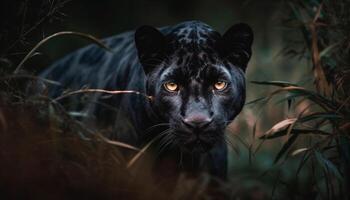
197, 121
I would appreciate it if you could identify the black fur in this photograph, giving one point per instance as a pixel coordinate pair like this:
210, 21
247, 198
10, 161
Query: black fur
191, 120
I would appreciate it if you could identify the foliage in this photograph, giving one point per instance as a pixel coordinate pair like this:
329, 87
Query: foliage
43, 146
323, 113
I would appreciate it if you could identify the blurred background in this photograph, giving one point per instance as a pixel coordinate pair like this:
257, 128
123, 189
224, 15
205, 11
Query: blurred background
253, 173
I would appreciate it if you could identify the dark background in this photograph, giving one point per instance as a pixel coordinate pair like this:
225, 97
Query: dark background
105, 18
25, 22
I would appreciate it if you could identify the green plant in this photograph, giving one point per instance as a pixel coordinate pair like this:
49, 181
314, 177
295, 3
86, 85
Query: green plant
319, 117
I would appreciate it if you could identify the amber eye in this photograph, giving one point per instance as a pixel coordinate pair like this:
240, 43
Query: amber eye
220, 85
171, 87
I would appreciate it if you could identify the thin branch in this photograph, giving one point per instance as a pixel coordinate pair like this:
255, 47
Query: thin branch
102, 91
83, 35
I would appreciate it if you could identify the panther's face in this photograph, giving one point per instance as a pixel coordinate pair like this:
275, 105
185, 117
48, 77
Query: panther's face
196, 80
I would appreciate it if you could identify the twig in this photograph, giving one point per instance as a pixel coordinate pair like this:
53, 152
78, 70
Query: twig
83, 35
142, 151
50, 13
102, 91
30, 77
320, 77
116, 143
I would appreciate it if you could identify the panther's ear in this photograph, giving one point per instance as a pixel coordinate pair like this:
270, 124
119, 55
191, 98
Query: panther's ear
150, 45
235, 45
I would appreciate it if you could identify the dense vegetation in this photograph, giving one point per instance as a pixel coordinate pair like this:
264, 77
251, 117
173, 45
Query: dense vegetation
297, 147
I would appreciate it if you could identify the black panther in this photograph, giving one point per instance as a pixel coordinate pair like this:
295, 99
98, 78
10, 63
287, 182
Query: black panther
194, 75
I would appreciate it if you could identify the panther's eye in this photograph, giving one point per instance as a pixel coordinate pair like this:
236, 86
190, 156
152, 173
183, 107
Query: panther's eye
171, 87
220, 85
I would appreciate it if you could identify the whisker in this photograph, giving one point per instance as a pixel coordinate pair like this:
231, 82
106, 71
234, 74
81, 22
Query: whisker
149, 129
166, 141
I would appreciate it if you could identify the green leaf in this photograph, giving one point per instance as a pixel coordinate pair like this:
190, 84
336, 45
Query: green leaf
285, 147
344, 144
326, 116
275, 83
328, 165
289, 97
256, 100
327, 50
303, 161
312, 96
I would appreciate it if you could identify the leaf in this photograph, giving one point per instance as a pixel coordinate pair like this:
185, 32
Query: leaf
298, 151
289, 97
302, 92
344, 144
285, 147
312, 96
256, 100
294, 131
275, 83
325, 116
279, 126
282, 128
328, 165
328, 49
303, 160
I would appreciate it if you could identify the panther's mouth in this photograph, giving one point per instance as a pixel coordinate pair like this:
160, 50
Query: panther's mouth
195, 141
197, 146
196, 137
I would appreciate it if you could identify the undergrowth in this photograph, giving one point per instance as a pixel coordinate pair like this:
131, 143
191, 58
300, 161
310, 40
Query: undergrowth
46, 153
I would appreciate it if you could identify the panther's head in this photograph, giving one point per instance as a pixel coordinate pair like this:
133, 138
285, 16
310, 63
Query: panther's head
196, 78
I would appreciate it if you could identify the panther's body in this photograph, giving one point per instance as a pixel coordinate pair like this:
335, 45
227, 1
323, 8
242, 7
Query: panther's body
95, 67
190, 57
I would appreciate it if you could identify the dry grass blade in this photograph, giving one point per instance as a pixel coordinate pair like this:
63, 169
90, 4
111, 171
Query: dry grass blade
116, 143
280, 126
295, 131
298, 151
290, 128
102, 91
139, 154
26, 76
83, 35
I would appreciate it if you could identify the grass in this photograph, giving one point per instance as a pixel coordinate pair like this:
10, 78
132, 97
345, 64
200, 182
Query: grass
323, 120
46, 153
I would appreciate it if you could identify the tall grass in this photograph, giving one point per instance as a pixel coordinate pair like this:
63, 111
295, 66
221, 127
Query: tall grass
46, 153
317, 131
